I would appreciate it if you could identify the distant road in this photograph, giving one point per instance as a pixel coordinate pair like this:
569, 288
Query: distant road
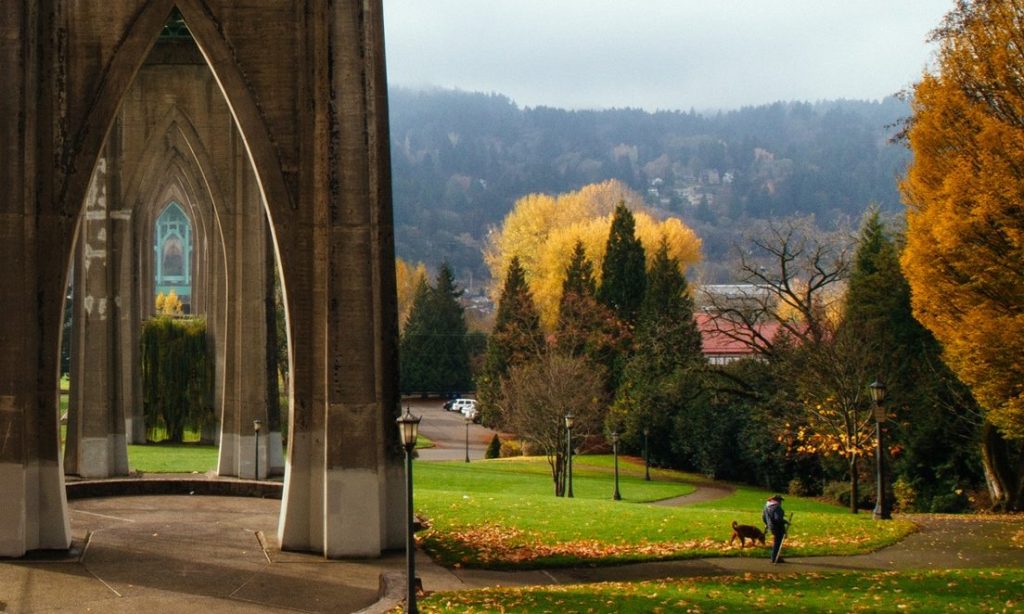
447, 429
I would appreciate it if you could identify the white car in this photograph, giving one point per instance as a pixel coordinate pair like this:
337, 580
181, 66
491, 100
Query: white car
462, 405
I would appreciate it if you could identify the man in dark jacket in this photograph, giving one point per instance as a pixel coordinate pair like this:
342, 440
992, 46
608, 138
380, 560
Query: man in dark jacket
775, 521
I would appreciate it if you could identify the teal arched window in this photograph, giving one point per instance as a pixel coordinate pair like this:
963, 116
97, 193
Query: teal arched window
173, 253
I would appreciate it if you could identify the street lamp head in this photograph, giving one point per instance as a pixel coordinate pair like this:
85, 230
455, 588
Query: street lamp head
468, 418
569, 420
257, 425
647, 432
877, 391
878, 394
615, 437
408, 426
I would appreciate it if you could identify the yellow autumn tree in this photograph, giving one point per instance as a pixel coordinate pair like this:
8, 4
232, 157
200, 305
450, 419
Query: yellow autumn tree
169, 304
965, 227
542, 230
408, 278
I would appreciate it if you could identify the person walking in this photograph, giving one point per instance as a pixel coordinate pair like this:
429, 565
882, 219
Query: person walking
775, 521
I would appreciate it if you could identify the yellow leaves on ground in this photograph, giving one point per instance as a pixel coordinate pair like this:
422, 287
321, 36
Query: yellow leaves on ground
542, 231
1018, 539
500, 545
490, 544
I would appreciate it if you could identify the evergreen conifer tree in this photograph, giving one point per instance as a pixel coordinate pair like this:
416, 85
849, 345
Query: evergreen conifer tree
585, 327
452, 358
515, 339
416, 344
662, 377
433, 351
623, 271
939, 452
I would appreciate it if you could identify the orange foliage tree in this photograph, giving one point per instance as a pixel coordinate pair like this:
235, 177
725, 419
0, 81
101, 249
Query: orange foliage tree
965, 223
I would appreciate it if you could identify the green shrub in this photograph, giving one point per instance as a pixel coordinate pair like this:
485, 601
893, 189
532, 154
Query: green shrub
800, 488
511, 447
177, 376
949, 503
905, 495
839, 492
494, 448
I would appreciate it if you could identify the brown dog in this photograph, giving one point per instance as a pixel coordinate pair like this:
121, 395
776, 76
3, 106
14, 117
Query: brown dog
745, 532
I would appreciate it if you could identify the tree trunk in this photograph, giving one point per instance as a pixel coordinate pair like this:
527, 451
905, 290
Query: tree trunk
558, 474
854, 491
1003, 462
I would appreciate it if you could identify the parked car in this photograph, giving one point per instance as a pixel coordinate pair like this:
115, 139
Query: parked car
448, 405
470, 411
462, 404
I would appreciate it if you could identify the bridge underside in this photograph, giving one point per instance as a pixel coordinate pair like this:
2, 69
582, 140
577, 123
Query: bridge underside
302, 178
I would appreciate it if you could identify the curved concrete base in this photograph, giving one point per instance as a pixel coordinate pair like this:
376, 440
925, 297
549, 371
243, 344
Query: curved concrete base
132, 487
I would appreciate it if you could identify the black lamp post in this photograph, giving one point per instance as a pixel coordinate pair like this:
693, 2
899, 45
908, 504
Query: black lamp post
256, 425
647, 457
881, 511
469, 421
408, 426
615, 454
568, 452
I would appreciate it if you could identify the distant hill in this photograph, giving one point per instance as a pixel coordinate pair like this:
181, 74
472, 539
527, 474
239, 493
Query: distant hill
460, 160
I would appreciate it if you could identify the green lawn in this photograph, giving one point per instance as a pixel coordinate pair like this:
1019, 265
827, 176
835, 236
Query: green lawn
502, 514
968, 590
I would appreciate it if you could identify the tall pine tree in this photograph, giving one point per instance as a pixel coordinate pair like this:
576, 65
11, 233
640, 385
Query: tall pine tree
417, 344
434, 357
586, 327
450, 325
515, 339
623, 271
662, 377
931, 407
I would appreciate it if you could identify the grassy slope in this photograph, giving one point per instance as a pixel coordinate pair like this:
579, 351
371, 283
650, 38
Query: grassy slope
502, 514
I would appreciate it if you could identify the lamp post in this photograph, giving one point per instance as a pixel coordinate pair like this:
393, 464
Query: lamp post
647, 457
615, 454
568, 452
256, 425
469, 421
881, 511
408, 426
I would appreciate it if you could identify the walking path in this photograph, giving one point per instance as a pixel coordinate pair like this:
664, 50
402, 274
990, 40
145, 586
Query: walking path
217, 554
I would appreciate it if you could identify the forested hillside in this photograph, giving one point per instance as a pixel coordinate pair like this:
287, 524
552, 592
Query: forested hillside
460, 160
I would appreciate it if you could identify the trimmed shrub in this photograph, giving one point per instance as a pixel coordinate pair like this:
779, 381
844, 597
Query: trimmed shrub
494, 448
177, 375
511, 447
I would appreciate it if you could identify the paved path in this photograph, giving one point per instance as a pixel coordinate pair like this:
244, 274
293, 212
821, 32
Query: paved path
704, 492
447, 429
157, 554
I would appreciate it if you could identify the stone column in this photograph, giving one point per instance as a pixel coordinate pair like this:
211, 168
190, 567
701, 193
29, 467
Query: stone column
33, 512
245, 384
96, 446
343, 495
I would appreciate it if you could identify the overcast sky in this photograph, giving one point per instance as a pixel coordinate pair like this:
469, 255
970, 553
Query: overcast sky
661, 54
